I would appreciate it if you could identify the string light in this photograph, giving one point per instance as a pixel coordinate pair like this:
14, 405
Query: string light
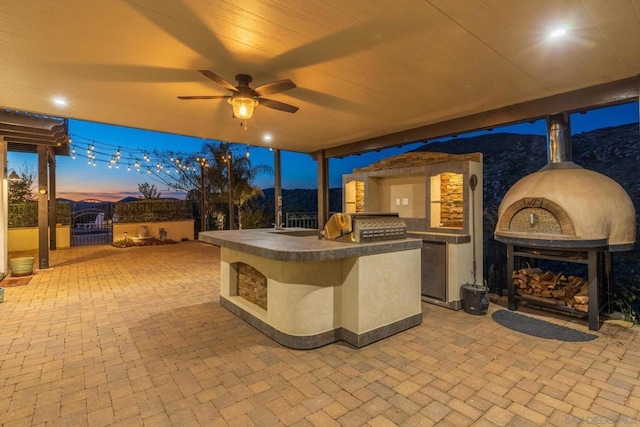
100, 154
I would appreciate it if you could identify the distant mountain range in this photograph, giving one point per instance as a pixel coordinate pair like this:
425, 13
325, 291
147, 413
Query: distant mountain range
125, 200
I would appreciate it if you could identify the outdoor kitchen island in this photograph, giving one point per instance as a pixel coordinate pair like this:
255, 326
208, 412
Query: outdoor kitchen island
305, 293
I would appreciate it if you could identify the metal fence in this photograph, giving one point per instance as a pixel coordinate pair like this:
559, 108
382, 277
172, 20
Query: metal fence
302, 219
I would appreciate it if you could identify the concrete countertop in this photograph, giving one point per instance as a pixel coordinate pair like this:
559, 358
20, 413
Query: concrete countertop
299, 245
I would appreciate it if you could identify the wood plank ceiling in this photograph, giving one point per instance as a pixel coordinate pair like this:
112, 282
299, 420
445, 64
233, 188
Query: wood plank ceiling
364, 68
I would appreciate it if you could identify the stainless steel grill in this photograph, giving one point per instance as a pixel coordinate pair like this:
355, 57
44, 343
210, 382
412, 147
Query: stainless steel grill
371, 228
365, 227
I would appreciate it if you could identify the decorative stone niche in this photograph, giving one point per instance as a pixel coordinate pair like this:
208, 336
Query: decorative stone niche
252, 285
447, 207
354, 197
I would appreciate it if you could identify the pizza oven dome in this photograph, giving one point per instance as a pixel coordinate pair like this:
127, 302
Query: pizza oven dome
566, 206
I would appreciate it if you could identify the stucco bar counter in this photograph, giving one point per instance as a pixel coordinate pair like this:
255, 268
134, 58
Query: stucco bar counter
305, 293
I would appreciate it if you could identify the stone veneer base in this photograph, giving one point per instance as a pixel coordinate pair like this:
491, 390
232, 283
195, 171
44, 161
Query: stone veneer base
314, 341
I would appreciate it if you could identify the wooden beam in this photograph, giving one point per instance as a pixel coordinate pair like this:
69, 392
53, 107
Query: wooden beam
323, 190
618, 92
51, 159
43, 209
278, 187
4, 209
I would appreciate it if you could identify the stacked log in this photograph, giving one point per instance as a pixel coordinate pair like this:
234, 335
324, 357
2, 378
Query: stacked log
558, 289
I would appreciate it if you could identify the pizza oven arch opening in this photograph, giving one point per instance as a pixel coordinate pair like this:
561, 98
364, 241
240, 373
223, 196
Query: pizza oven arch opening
536, 215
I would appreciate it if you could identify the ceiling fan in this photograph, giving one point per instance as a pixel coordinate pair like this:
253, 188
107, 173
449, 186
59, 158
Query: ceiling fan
244, 98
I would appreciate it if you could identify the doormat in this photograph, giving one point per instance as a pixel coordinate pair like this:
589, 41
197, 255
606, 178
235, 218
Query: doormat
9, 282
539, 328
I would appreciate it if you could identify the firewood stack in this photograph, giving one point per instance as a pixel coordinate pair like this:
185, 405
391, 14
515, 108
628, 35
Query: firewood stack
558, 289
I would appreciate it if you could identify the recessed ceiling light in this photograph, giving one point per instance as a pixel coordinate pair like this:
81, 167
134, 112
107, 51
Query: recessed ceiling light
267, 137
60, 102
558, 32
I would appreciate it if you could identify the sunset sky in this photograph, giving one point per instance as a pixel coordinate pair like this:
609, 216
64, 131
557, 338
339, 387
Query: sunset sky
77, 180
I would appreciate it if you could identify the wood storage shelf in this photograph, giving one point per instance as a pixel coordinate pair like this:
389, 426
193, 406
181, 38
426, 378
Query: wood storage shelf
557, 291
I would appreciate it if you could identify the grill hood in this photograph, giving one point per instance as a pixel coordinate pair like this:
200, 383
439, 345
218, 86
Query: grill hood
566, 206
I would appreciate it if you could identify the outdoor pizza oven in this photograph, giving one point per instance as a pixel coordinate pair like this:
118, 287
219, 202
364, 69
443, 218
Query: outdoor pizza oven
565, 206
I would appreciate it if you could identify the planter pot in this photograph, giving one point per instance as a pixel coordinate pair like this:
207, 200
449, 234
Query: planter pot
21, 266
143, 231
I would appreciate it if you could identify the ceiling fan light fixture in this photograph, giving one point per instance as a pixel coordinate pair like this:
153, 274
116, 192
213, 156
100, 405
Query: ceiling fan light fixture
243, 106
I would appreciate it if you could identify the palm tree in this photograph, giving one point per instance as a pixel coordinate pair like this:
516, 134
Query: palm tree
208, 172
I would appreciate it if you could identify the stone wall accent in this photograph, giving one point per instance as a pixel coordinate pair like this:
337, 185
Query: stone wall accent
451, 208
420, 158
252, 285
359, 196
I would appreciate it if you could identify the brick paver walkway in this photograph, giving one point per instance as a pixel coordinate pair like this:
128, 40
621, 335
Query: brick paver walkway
136, 337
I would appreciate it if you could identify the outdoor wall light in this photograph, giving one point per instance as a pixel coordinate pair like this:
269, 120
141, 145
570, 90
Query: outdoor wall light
243, 106
13, 176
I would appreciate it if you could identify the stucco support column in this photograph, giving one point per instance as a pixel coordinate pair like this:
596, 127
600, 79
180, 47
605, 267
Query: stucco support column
323, 190
43, 209
4, 210
278, 188
52, 199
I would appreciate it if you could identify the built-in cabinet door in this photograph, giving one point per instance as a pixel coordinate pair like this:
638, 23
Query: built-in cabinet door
434, 270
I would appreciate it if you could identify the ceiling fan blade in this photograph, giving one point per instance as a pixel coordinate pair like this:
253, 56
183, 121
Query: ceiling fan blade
275, 87
204, 97
219, 80
277, 105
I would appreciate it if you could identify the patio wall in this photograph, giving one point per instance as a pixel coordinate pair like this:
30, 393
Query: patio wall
176, 230
26, 238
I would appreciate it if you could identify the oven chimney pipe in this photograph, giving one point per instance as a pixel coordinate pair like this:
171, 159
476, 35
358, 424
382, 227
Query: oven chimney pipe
559, 138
